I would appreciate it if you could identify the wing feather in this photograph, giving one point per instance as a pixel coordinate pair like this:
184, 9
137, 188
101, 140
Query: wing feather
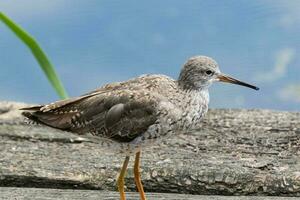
104, 114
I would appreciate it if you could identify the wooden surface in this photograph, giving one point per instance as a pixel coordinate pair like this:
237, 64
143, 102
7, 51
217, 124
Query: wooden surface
236, 152
55, 194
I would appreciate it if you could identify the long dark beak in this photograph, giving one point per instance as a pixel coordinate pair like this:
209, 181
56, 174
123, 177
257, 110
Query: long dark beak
228, 79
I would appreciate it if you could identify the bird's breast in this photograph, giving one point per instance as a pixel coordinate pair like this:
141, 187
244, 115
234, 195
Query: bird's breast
194, 110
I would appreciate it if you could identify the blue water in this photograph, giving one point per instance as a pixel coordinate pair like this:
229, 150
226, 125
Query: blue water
95, 42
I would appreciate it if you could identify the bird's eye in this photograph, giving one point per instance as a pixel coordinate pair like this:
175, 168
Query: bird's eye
209, 72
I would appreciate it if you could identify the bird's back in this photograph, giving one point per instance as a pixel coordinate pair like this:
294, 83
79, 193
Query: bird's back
155, 84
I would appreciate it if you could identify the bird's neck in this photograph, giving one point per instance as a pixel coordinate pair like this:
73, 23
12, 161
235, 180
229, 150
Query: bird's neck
192, 90
198, 86
195, 97
186, 85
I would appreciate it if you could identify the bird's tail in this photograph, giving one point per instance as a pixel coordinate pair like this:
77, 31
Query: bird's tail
30, 118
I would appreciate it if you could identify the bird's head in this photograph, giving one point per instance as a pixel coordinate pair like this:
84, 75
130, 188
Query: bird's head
199, 72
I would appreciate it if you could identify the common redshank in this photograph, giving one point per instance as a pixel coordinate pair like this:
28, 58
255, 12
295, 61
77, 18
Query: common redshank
131, 115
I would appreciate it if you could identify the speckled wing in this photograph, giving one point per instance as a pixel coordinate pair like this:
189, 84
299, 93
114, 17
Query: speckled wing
105, 114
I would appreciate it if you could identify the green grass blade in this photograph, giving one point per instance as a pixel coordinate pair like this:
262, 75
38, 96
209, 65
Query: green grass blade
38, 53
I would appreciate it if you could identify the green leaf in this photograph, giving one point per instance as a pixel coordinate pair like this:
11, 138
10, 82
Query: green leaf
38, 53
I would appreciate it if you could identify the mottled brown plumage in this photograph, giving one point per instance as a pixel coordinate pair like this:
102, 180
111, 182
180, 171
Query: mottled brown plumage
118, 111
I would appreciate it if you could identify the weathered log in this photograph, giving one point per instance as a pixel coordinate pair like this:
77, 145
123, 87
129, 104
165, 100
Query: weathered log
236, 152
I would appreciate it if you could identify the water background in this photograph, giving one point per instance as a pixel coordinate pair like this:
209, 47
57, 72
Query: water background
95, 42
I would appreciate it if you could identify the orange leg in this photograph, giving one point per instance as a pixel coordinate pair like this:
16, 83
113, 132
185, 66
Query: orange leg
120, 180
137, 177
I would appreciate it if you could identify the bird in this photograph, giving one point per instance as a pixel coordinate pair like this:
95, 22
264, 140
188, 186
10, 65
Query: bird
131, 115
